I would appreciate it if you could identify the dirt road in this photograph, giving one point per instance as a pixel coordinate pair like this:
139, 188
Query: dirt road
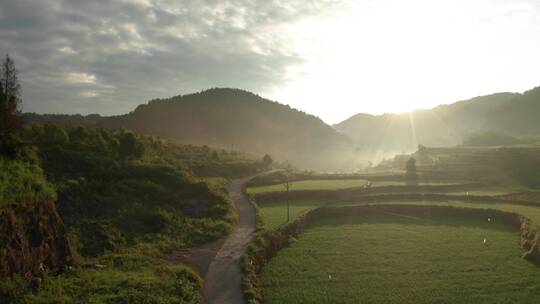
222, 282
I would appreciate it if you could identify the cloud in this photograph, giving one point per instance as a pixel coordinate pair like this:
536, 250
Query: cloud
67, 50
123, 53
80, 78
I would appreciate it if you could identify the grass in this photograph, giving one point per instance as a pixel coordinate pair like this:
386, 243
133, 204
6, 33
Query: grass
128, 280
420, 183
275, 214
127, 201
321, 184
494, 191
333, 184
22, 183
390, 259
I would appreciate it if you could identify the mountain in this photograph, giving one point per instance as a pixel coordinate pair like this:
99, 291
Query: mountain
446, 125
232, 119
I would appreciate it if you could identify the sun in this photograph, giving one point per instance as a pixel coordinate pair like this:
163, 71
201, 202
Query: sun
396, 56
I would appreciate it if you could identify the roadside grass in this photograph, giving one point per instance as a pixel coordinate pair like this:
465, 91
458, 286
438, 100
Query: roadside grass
315, 184
132, 280
392, 259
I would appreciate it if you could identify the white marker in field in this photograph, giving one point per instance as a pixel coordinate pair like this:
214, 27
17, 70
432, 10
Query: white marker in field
489, 219
485, 241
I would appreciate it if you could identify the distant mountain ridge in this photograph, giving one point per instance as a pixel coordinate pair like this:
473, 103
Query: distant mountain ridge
229, 118
447, 125
240, 120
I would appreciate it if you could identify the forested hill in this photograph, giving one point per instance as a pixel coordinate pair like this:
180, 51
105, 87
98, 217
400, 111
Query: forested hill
230, 118
448, 125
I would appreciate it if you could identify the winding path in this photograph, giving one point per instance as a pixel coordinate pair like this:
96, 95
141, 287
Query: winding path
223, 280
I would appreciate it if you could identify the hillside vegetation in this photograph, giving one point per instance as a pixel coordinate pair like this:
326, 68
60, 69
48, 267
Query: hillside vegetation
446, 125
230, 118
22, 183
126, 200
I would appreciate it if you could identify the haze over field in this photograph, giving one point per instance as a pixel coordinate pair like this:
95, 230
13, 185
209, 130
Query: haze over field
329, 58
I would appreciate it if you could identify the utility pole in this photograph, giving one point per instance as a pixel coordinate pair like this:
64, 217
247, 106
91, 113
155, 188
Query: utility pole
288, 186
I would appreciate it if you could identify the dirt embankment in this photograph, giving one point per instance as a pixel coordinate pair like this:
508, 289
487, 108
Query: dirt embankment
33, 240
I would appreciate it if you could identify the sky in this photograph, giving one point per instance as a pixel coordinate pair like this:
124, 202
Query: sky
329, 58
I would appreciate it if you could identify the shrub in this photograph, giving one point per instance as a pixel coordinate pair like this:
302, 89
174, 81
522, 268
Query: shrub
22, 183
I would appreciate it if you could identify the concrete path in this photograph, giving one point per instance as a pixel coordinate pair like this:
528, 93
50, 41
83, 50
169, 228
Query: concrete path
223, 281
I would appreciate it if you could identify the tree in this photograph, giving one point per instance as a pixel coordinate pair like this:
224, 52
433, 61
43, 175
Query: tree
410, 175
267, 160
10, 80
130, 146
10, 98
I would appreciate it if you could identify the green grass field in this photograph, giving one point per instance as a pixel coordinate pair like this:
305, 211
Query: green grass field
390, 259
403, 183
316, 184
351, 183
275, 214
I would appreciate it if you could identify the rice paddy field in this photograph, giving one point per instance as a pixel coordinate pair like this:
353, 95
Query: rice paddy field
275, 214
315, 184
390, 258
334, 184
394, 259
403, 183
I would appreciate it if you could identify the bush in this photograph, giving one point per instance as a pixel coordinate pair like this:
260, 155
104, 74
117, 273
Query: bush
22, 183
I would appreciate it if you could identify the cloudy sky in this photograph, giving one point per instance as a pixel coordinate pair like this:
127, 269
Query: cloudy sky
330, 58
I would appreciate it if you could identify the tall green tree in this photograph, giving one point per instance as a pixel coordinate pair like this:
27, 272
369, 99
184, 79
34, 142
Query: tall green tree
10, 99
10, 80
130, 147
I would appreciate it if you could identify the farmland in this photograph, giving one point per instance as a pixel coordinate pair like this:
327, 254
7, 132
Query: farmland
321, 184
334, 184
275, 214
389, 258
394, 259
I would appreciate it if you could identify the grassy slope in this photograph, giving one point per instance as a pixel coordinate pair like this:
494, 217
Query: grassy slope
402, 261
23, 183
127, 201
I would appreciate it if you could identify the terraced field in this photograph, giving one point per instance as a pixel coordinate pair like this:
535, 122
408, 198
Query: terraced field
333, 184
314, 184
396, 259
403, 183
275, 214
391, 258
